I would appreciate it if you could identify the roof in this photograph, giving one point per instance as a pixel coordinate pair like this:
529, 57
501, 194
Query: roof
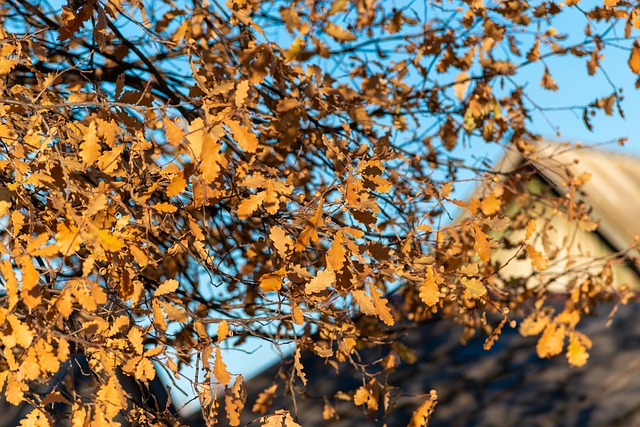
506, 386
612, 190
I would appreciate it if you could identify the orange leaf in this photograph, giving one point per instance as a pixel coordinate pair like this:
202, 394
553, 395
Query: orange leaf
473, 288
167, 287
531, 228
383, 310
248, 206
281, 240
220, 369
490, 204
322, 281
634, 59
223, 331
429, 291
272, 282
551, 342
339, 33
245, 138
299, 366
336, 253
538, 259
482, 244
90, 149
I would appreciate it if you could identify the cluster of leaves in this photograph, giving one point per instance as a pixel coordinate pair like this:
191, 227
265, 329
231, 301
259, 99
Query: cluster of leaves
174, 182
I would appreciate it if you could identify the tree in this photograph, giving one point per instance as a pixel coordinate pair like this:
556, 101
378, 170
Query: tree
181, 176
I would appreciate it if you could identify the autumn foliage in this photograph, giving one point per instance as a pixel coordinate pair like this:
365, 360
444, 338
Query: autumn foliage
177, 177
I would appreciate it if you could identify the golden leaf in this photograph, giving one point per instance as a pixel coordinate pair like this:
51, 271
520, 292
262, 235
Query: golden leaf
490, 205
68, 239
461, 84
165, 207
323, 280
212, 160
310, 232
420, 417
380, 304
299, 367
339, 33
174, 133
272, 282
17, 221
158, 316
336, 254
429, 290
245, 138
111, 397
220, 369
174, 312
14, 393
223, 331
30, 365
79, 416
90, 149
281, 240
491, 340
531, 228
473, 288
248, 206
362, 395
281, 418
35, 418
265, 399
21, 334
10, 283
551, 341
328, 411
577, 351
538, 259
367, 394
482, 244
29, 291
145, 370
136, 338
634, 59
242, 89
177, 185
534, 324
167, 287
110, 241
364, 301
234, 401
296, 314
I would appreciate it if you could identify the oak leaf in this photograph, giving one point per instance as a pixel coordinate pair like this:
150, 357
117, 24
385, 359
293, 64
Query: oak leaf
223, 331
634, 59
220, 369
429, 290
244, 136
323, 280
167, 287
538, 259
473, 288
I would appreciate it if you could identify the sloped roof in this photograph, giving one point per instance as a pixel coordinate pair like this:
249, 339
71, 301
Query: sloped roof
506, 386
613, 191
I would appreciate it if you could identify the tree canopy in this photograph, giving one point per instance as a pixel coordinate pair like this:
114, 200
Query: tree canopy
178, 177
